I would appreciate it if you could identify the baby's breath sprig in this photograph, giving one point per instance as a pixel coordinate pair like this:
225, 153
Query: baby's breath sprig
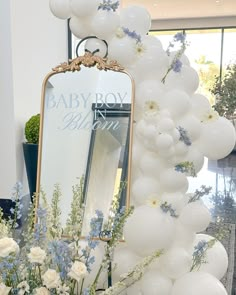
199, 254
55, 221
108, 5
75, 218
186, 167
132, 35
198, 194
165, 207
176, 63
133, 275
184, 137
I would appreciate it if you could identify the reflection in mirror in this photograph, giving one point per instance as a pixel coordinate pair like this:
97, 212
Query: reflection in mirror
85, 133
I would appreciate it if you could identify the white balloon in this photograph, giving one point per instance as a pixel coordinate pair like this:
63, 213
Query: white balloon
122, 50
143, 187
175, 135
216, 258
200, 105
60, 8
124, 260
152, 64
195, 216
148, 90
166, 153
80, 27
149, 229
134, 289
105, 23
176, 262
135, 18
192, 125
177, 102
83, 8
172, 181
187, 80
196, 283
196, 157
166, 125
184, 237
184, 59
164, 141
151, 164
94, 44
217, 139
181, 149
153, 282
151, 42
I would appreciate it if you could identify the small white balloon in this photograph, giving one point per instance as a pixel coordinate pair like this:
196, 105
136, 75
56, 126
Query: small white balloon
181, 149
195, 216
184, 59
135, 18
105, 23
80, 27
60, 8
184, 237
151, 42
196, 283
149, 229
143, 187
151, 164
166, 125
196, 157
96, 46
171, 181
176, 262
217, 138
164, 141
216, 257
176, 200
192, 125
83, 8
153, 282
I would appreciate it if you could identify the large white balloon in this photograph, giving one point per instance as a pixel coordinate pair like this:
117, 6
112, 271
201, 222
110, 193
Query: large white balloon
153, 282
60, 8
217, 138
196, 283
195, 216
216, 258
149, 229
172, 181
177, 102
187, 80
83, 8
105, 23
143, 188
176, 262
151, 164
122, 50
80, 27
135, 18
124, 261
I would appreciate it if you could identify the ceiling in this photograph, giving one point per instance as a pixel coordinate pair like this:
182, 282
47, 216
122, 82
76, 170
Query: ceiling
179, 9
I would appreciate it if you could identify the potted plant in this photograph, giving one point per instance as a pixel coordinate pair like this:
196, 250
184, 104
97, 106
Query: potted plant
30, 148
224, 91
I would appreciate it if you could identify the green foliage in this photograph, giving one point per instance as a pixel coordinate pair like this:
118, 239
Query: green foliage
32, 129
225, 92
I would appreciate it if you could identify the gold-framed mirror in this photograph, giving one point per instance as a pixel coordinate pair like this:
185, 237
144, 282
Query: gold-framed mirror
86, 134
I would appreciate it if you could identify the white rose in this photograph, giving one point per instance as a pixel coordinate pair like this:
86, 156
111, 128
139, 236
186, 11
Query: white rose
41, 291
78, 270
8, 246
4, 290
37, 255
51, 279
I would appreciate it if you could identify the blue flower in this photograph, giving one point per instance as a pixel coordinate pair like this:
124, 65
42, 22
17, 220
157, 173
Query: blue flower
184, 136
177, 66
180, 37
108, 5
132, 34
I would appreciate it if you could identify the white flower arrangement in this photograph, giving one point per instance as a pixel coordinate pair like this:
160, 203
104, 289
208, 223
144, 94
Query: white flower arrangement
48, 264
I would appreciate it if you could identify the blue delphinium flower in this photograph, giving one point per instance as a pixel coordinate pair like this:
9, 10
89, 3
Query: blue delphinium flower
108, 5
40, 226
61, 256
132, 34
177, 66
180, 37
165, 207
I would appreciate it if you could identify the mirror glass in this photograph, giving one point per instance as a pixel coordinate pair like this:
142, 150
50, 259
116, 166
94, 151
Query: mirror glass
86, 134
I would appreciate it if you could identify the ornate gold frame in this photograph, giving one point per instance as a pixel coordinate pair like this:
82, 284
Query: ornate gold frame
87, 60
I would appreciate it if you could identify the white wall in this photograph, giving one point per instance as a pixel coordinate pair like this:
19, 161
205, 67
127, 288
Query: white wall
39, 42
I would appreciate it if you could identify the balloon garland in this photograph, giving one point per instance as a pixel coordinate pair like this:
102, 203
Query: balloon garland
175, 129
